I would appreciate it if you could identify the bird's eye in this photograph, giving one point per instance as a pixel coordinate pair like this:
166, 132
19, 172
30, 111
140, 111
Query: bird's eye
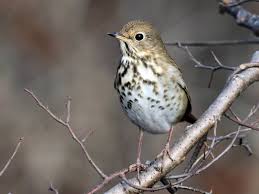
139, 36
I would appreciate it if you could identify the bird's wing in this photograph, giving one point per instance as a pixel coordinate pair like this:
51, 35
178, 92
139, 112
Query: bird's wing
183, 86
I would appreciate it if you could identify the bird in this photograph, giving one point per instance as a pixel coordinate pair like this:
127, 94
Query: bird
149, 83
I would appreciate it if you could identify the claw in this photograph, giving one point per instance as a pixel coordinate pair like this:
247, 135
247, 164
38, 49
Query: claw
138, 169
165, 153
138, 166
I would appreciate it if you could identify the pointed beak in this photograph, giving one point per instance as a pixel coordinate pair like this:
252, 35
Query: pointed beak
118, 36
112, 34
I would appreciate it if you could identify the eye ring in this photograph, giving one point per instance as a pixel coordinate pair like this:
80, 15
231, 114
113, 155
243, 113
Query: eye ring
139, 36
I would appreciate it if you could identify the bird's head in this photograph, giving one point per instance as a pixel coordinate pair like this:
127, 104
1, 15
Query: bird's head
139, 38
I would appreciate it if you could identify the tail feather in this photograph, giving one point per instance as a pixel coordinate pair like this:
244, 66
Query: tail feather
190, 118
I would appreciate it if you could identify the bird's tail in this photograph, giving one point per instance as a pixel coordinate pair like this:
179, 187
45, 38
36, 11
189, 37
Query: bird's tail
190, 118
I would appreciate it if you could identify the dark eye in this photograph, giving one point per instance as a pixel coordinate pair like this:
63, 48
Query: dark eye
139, 36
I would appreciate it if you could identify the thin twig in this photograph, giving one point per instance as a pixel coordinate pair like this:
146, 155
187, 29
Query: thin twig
234, 114
114, 175
241, 123
207, 153
212, 43
213, 69
106, 179
246, 146
220, 155
89, 133
196, 153
53, 189
68, 109
71, 131
192, 189
253, 110
229, 135
12, 156
201, 169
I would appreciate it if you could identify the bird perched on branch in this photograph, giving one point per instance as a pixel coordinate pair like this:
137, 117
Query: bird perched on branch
149, 83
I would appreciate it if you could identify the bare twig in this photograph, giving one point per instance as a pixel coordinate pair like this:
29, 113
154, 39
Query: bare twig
229, 135
106, 178
241, 123
90, 132
71, 131
192, 189
234, 114
196, 153
212, 43
200, 169
114, 175
220, 155
206, 154
216, 140
12, 156
245, 145
213, 69
175, 185
68, 109
53, 189
253, 110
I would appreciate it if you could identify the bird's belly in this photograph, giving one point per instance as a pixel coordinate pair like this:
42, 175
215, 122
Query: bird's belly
154, 112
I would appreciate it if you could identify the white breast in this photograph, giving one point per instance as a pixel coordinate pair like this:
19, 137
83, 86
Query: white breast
154, 112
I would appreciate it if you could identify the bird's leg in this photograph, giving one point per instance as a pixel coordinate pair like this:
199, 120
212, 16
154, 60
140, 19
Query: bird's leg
166, 151
167, 145
140, 141
138, 164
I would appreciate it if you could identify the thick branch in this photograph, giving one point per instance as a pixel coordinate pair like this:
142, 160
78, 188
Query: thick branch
180, 149
242, 16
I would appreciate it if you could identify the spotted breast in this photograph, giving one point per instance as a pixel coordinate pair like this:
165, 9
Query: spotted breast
149, 94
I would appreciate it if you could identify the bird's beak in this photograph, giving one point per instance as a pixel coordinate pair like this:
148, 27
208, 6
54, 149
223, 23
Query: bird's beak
118, 36
112, 34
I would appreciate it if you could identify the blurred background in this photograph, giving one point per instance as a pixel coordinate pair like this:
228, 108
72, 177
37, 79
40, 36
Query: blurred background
60, 49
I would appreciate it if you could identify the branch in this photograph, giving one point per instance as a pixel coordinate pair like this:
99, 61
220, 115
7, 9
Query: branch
236, 85
212, 69
12, 156
242, 17
68, 126
241, 123
192, 189
53, 189
213, 43
233, 4
66, 123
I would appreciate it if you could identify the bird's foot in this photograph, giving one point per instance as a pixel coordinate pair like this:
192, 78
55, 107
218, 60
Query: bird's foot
138, 166
164, 154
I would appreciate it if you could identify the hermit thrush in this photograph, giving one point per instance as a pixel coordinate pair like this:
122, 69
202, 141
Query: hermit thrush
150, 85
